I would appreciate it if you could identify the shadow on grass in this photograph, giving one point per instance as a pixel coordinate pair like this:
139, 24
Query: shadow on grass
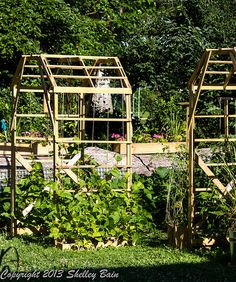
216, 269
157, 239
174, 272
37, 239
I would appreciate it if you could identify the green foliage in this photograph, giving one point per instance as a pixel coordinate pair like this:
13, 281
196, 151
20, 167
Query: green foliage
7, 262
176, 207
159, 43
216, 213
168, 117
94, 211
133, 264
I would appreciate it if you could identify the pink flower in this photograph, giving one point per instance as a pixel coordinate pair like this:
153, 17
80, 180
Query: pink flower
157, 136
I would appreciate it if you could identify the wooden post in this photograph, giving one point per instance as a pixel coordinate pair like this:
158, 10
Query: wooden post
82, 114
226, 119
13, 167
129, 140
191, 146
55, 137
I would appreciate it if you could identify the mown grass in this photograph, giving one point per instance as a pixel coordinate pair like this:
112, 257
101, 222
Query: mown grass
139, 263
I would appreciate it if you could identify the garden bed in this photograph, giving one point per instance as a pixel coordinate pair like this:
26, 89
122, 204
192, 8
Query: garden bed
150, 148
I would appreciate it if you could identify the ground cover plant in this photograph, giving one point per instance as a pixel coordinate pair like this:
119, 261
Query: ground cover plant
140, 263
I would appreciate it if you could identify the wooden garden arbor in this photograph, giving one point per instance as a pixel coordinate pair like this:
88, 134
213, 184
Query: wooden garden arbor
214, 76
54, 93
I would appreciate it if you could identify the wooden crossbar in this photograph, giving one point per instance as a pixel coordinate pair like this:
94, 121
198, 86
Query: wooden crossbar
211, 175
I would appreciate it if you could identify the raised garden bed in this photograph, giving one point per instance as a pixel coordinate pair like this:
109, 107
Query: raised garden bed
150, 148
41, 150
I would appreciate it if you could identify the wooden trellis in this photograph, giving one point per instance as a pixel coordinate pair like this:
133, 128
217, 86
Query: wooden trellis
54, 91
215, 73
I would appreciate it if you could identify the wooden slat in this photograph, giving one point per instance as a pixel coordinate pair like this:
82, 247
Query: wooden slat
214, 116
34, 138
122, 73
212, 176
202, 189
89, 76
94, 119
72, 175
55, 56
71, 140
64, 166
23, 161
217, 72
220, 62
74, 76
221, 164
83, 67
92, 90
32, 115
197, 70
227, 80
50, 77
214, 140
196, 96
216, 87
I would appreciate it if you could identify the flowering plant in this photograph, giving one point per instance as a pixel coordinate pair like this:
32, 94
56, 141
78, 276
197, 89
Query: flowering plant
31, 134
141, 137
118, 137
148, 138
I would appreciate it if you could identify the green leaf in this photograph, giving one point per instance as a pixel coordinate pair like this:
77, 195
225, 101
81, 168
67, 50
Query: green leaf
115, 216
162, 171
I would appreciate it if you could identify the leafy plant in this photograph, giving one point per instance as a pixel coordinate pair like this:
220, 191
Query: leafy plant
216, 213
95, 210
176, 205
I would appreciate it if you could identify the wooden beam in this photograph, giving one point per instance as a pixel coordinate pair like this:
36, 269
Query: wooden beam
72, 140
214, 140
44, 64
197, 70
23, 161
211, 175
214, 116
216, 87
196, 96
71, 174
83, 67
220, 62
93, 119
221, 164
217, 72
62, 76
207, 189
92, 90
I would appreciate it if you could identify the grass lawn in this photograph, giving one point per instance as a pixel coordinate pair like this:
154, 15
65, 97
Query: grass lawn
140, 263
